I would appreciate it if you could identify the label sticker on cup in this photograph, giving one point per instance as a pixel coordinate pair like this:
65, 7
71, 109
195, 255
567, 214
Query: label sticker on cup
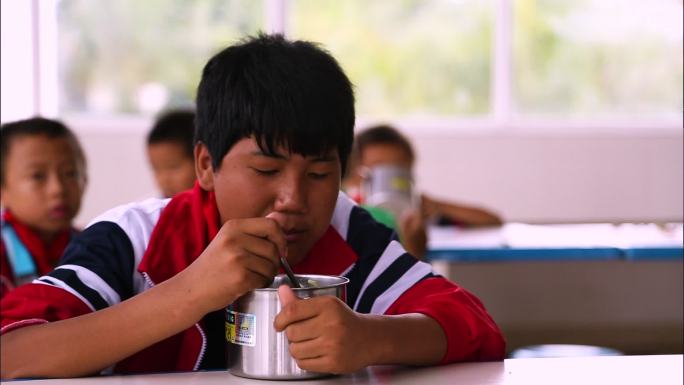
240, 328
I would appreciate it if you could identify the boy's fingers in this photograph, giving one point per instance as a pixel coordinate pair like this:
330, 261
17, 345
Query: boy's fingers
286, 295
265, 228
296, 310
261, 266
263, 248
306, 349
302, 331
316, 364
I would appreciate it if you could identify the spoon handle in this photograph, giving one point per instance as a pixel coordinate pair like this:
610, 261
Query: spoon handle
286, 266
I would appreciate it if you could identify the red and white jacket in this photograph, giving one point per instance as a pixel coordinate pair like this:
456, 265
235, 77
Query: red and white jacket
129, 249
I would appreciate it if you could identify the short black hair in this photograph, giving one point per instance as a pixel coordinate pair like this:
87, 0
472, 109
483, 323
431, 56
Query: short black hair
380, 134
284, 93
35, 126
176, 126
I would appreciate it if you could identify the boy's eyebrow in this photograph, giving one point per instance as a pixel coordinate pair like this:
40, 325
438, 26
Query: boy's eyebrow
322, 158
275, 155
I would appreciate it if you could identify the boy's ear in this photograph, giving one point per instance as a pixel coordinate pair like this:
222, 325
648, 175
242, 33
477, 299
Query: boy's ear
203, 168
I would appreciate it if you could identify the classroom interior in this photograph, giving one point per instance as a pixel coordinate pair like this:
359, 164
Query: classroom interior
548, 112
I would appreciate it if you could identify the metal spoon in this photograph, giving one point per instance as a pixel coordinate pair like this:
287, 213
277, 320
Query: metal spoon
293, 280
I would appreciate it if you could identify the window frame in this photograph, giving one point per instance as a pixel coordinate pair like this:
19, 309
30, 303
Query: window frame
500, 119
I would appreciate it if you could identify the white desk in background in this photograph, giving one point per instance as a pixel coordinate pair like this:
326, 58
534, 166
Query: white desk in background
622, 370
525, 242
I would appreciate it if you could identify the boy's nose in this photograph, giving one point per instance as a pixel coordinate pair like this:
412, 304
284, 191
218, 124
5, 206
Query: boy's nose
56, 184
291, 197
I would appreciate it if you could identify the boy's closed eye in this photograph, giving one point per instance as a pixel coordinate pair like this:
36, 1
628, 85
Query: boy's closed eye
319, 174
71, 174
265, 172
37, 176
268, 165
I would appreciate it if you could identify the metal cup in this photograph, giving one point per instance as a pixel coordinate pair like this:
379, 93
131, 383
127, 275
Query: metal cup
389, 187
254, 348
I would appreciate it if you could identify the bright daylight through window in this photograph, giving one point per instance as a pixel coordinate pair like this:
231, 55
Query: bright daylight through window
407, 59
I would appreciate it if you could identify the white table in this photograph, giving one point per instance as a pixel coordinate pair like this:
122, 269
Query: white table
515, 242
622, 370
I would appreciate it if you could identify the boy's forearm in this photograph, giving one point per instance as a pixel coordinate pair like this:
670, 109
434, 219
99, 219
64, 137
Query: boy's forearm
87, 344
407, 339
472, 216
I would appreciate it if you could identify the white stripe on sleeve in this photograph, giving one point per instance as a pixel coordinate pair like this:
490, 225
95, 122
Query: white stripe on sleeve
52, 281
342, 214
413, 275
137, 220
93, 281
393, 251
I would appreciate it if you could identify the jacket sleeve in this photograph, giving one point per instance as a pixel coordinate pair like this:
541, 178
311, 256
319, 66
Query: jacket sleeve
472, 335
96, 272
34, 303
387, 280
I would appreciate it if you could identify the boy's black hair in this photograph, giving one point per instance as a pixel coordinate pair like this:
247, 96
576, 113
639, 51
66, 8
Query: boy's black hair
284, 93
381, 134
177, 126
53, 129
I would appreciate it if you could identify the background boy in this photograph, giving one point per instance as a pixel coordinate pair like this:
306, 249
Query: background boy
42, 178
169, 149
275, 127
384, 145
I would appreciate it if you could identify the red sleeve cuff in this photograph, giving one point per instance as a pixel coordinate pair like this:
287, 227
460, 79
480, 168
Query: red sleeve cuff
33, 303
472, 335
20, 324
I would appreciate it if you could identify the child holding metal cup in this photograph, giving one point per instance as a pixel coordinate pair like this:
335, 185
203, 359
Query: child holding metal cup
381, 152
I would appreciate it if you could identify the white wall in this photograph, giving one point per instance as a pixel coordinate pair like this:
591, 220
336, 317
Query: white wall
526, 177
542, 178
118, 172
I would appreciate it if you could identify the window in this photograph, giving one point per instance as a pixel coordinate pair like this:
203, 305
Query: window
489, 63
419, 57
136, 57
598, 58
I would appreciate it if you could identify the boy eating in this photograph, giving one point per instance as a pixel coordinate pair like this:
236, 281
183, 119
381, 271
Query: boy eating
150, 280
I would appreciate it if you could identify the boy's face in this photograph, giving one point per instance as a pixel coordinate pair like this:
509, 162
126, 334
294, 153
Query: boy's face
173, 169
379, 154
387, 154
299, 192
44, 183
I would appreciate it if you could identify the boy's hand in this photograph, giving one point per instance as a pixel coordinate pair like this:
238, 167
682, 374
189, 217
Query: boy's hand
243, 256
325, 335
429, 207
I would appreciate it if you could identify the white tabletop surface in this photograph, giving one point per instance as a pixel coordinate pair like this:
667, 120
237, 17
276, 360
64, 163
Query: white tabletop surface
623, 370
589, 235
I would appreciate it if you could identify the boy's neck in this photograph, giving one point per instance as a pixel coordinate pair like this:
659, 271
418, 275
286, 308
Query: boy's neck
47, 237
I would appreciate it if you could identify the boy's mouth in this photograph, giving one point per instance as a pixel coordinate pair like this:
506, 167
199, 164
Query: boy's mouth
294, 235
59, 212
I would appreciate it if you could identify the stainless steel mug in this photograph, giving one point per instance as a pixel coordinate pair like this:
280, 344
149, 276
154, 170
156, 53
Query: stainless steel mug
389, 187
254, 348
